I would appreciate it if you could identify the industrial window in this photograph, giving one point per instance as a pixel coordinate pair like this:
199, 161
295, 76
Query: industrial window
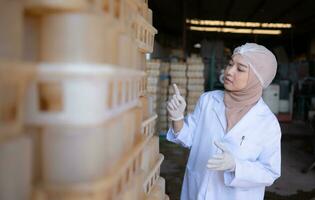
9, 101
50, 96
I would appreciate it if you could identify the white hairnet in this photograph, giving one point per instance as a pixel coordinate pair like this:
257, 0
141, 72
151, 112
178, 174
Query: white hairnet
261, 60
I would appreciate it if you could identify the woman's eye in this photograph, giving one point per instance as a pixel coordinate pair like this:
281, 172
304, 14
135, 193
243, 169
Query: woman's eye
241, 70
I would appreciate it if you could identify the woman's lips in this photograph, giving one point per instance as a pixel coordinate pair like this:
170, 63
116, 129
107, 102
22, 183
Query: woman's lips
227, 80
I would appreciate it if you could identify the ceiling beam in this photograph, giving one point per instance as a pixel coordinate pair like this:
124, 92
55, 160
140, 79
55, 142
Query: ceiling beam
258, 7
287, 11
305, 25
200, 14
305, 20
228, 9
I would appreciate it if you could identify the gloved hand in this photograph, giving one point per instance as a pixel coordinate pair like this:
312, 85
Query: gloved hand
223, 161
176, 105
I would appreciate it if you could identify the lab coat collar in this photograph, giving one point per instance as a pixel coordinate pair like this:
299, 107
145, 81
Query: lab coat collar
259, 109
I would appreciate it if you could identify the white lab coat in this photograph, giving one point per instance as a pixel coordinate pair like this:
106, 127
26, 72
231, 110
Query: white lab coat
254, 142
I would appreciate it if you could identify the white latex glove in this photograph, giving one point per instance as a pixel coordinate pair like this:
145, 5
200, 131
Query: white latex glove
223, 161
176, 105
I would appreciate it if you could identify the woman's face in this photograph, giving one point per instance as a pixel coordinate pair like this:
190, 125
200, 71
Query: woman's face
236, 74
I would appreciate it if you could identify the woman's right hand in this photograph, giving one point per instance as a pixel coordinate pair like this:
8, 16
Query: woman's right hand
176, 106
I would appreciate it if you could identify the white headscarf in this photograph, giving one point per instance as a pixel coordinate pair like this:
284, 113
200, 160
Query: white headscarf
262, 69
261, 60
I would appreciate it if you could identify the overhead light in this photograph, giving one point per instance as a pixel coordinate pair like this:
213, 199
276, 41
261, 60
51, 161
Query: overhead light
242, 24
205, 22
275, 25
211, 23
237, 23
236, 30
200, 28
267, 31
197, 45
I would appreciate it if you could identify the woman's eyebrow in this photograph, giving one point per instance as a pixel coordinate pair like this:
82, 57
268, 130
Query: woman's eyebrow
242, 65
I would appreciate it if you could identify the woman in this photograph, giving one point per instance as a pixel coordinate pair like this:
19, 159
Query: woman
233, 136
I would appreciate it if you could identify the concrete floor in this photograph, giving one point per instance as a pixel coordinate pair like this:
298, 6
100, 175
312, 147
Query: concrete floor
293, 184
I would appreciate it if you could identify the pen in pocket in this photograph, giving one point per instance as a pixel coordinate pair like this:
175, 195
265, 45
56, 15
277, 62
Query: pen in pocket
243, 138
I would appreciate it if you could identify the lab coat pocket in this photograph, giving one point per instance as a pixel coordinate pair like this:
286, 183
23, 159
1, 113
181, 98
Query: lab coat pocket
193, 183
248, 151
241, 189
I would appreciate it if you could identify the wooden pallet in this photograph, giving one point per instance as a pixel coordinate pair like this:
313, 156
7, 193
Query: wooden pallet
195, 74
150, 155
107, 188
95, 41
153, 176
153, 80
125, 47
153, 89
196, 81
153, 64
146, 105
81, 94
179, 81
158, 190
49, 6
144, 35
72, 146
14, 80
143, 86
11, 23
194, 60
15, 167
148, 126
153, 72
178, 66
195, 67
178, 74
198, 88
134, 189
44, 7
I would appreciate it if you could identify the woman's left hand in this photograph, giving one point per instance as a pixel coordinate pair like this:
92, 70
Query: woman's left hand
223, 161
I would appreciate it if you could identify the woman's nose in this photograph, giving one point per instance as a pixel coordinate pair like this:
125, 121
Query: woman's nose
230, 71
